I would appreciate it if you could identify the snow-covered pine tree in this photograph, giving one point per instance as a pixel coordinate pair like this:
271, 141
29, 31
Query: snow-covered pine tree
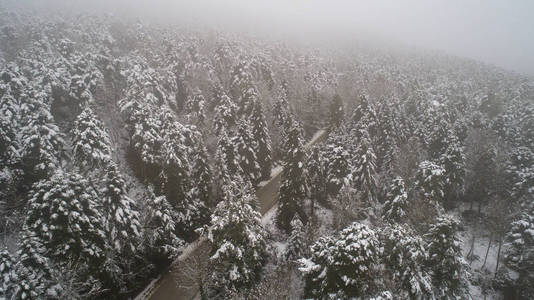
227, 158
195, 107
238, 239
91, 144
7, 274
342, 266
42, 142
261, 136
521, 172
453, 161
317, 176
364, 168
404, 256
201, 175
159, 238
385, 140
295, 242
121, 217
246, 144
337, 160
364, 116
225, 114
281, 108
445, 262
396, 201
293, 188
431, 179
33, 271
62, 215
520, 238
336, 115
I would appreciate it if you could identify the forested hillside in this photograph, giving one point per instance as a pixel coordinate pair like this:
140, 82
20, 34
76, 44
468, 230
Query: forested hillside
121, 142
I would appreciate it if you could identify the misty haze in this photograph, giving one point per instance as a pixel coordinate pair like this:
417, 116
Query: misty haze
298, 149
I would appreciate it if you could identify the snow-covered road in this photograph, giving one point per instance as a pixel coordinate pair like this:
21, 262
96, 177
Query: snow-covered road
174, 284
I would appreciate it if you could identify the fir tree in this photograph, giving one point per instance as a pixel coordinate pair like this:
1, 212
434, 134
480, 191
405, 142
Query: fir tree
159, 238
453, 161
295, 243
62, 216
364, 172
201, 175
343, 266
225, 115
227, 158
174, 178
293, 187
404, 256
445, 259
42, 146
263, 141
238, 239
431, 179
337, 160
317, 176
396, 201
121, 218
245, 143
7, 274
91, 144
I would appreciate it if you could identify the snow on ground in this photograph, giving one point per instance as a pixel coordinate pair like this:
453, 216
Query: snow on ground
274, 172
479, 250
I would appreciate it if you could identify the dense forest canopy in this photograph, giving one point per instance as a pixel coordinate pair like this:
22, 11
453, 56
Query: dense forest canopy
123, 142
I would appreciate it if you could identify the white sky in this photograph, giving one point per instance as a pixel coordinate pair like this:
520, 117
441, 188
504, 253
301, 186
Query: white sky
495, 31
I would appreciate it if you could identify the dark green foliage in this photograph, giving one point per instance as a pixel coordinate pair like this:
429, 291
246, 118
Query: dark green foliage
394, 209
261, 136
343, 266
448, 269
293, 188
63, 217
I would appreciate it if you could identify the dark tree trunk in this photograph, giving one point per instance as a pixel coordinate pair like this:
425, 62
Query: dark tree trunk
498, 255
487, 251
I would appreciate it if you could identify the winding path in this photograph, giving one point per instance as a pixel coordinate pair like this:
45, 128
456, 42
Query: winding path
166, 286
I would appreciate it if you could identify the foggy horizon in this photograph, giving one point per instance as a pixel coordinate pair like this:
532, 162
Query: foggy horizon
493, 32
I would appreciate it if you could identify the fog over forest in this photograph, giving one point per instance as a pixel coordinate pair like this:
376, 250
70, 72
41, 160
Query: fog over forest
259, 150
493, 31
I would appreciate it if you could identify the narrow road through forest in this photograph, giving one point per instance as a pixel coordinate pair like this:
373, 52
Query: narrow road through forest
177, 284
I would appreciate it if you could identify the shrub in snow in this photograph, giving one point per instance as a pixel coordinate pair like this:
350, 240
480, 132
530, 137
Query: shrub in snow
238, 240
396, 201
342, 266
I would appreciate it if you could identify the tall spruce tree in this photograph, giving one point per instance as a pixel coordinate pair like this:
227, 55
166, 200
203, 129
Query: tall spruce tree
445, 259
396, 201
342, 266
91, 144
63, 218
336, 115
238, 240
121, 217
293, 188
263, 141
364, 168
246, 144
404, 256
